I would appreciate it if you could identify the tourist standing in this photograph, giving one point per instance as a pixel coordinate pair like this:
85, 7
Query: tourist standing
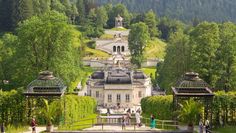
123, 122
152, 121
200, 126
207, 124
33, 125
137, 116
2, 128
128, 116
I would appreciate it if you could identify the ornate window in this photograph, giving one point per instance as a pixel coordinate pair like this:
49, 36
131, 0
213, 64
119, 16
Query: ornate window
109, 98
127, 98
118, 98
97, 94
140, 94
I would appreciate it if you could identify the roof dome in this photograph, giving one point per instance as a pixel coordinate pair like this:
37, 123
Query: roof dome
191, 79
46, 83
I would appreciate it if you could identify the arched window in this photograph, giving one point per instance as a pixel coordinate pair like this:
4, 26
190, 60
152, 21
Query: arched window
118, 49
123, 49
114, 48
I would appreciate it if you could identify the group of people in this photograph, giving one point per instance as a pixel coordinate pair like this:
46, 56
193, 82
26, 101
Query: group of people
126, 119
201, 126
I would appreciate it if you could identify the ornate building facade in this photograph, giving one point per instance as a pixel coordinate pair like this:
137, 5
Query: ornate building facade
119, 87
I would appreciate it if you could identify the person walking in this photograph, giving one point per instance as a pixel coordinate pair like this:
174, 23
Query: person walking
33, 125
123, 122
128, 116
2, 128
200, 126
137, 116
152, 121
207, 124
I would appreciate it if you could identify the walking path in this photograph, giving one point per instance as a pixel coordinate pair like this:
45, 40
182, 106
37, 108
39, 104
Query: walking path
119, 128
38, 130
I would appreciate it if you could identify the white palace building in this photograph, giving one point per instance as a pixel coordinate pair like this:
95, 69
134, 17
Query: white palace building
118, 87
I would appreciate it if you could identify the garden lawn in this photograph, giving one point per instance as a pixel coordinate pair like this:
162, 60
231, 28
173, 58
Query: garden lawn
119, 29
81, 124
227, 129
155, 49
149, 70
106, 36
20, 129
94, 53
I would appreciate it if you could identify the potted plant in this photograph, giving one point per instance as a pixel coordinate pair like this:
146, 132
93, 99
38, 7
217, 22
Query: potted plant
189, 112
49, 112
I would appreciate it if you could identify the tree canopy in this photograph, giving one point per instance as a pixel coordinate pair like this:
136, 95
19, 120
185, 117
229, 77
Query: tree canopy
138, 39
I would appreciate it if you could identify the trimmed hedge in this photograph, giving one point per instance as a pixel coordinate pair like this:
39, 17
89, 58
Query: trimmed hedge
77, 107
224, 108
160, 106
13, 107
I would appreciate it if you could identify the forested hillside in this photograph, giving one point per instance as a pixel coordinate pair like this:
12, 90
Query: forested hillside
185, 10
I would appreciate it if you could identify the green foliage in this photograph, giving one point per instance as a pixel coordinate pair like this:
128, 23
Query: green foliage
155, 48
119, 29
49, 112
175, 66
95, 53
138, 38
150, 21
190, 111
13, 12
224, 107
160, 106
47, 42
7, 49
226, 57
81, 124
76, 108
205, 41
116, 10
168, 26
185, 10
13, 107
226, 129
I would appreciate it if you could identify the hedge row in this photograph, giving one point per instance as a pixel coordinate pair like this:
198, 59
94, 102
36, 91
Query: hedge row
224, 107
160, 106
77, 107
12, 107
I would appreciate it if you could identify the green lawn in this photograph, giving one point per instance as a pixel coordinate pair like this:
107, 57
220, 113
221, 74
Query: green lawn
155, 49
106, 36
149, 70
94, 53
12, 129
119, 29
227, 129
83, 123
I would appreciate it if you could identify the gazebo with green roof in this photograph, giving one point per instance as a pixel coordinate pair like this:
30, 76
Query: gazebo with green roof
46, 85
191, 86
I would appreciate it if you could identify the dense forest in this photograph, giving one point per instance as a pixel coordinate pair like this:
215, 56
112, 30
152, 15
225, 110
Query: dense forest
185, 10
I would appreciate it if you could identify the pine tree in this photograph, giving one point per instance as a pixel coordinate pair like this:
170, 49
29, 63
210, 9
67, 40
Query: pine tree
150, 21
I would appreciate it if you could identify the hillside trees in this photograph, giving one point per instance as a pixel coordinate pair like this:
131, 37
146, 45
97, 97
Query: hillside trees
121, 10
13, 12
177, 60
226, 56
7, 44
151, 22
184, 10
205, 41
138, 39
47, 42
